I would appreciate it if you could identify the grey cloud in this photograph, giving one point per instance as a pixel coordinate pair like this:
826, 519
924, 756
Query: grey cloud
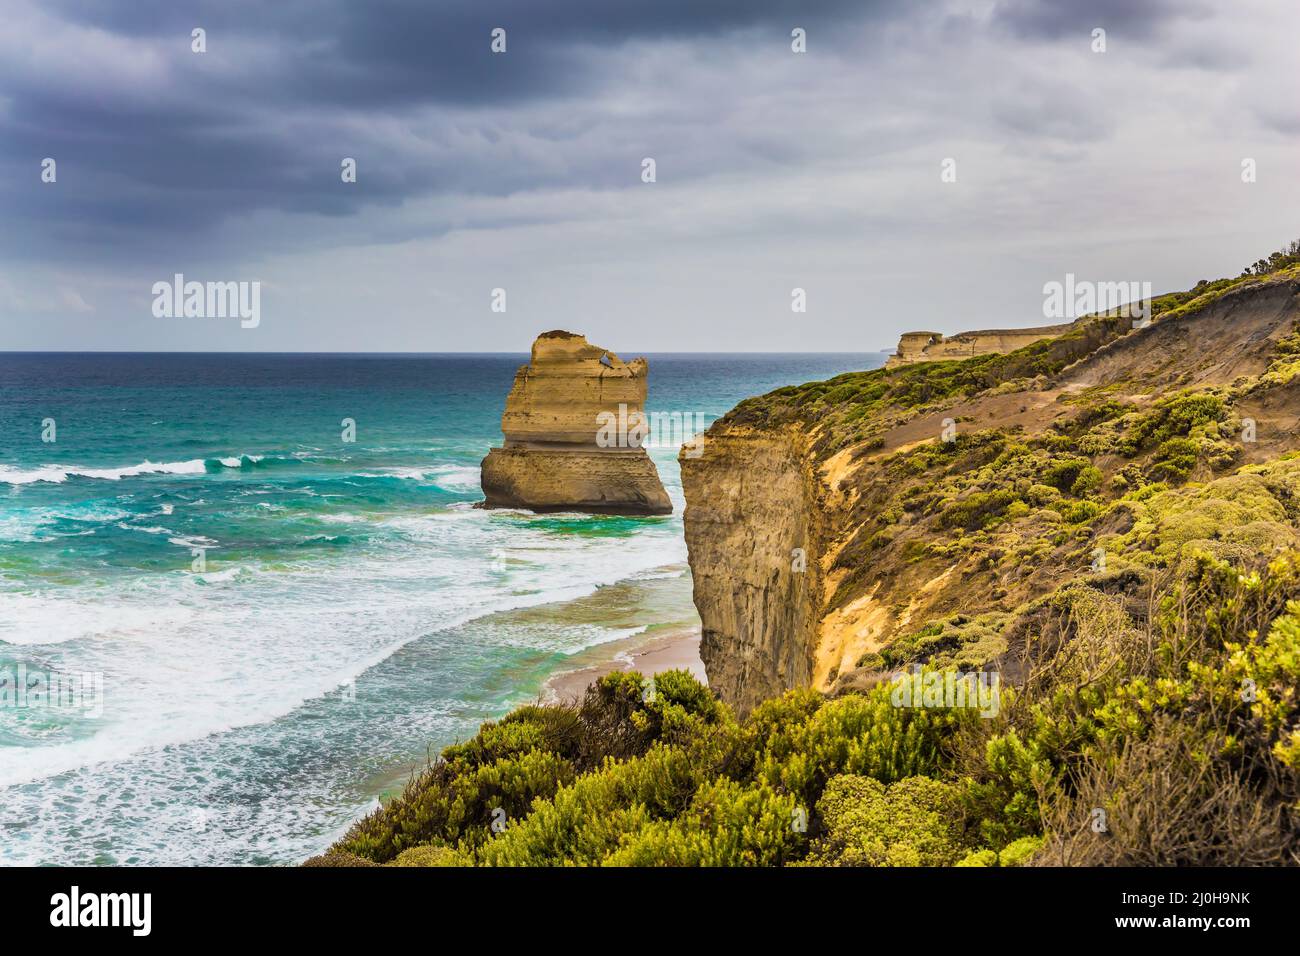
1057, 19
475, 169
286, 90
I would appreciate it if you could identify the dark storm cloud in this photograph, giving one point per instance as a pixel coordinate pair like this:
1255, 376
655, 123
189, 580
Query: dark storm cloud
261, 121
388, 30
478, 170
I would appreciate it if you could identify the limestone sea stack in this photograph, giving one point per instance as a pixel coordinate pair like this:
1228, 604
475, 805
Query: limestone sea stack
571, 442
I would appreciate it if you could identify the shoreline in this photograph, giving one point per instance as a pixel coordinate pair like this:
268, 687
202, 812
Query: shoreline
664, 641
671, 648
675, 648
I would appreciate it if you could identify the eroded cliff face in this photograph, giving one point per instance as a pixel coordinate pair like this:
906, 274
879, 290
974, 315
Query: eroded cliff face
766, 520
935, 347
750, 522
939, 512
571, 440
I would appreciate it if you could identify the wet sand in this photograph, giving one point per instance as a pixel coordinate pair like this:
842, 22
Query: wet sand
677, 649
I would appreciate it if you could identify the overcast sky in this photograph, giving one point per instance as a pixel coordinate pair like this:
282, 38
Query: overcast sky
523, 170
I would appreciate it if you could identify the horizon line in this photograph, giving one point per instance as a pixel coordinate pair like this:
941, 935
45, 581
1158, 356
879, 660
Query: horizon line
39, 351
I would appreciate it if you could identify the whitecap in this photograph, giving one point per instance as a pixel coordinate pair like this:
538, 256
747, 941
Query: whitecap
147, 529
458, 477
194, 541
57, 474
50, 473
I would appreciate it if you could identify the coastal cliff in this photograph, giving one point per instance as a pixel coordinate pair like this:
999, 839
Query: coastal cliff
571, 438
937, 502
934, 346
1095, 537
754, 516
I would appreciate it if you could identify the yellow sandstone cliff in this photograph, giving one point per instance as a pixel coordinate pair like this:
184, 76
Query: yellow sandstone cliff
571, 442
934, 346
835, 535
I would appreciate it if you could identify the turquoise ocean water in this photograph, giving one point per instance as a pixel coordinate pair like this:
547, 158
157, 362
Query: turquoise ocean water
284, 623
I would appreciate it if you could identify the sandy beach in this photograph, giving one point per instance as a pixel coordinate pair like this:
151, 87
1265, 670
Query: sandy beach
673, 649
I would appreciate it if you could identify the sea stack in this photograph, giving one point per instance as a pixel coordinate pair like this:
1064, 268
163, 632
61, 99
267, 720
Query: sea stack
571, 437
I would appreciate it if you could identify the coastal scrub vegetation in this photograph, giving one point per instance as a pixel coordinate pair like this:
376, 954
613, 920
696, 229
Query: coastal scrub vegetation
1078, 474
857, 408
1118, 545
1164, 735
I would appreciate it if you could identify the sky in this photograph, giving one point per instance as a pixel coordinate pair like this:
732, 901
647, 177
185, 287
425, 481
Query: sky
523, 170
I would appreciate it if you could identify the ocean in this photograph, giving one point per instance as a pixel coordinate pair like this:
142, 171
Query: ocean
271, 626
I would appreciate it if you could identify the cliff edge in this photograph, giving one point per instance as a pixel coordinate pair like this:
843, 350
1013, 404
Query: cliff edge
571, 438
920, 514
967, 611
934, 346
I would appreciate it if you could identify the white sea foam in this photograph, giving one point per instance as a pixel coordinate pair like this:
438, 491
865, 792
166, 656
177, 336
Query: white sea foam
19, 527
34, 524
458, 477
32, 619
237, 461
147, 529
193, 541
189, 655
194, 466
16, 476
580, 637
450, 477
660, 574
58, 474
199, 667
411, 474
225, 574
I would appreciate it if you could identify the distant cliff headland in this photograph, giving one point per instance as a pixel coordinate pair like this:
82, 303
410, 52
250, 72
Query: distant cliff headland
1035, 604
935, 347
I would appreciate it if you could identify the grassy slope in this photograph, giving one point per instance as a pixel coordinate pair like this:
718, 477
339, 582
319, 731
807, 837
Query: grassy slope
1155, 717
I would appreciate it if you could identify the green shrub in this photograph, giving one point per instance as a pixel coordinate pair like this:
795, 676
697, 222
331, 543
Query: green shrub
1062, 474
1005, 798
1077, 512
532, 753
727, 824
1173, 461
334, 858
1019, 852
858, 734
978, 510
582, 824
959, 640
453, 806
1173, 417
1087, 481
430, 855
914, 822
872, 660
